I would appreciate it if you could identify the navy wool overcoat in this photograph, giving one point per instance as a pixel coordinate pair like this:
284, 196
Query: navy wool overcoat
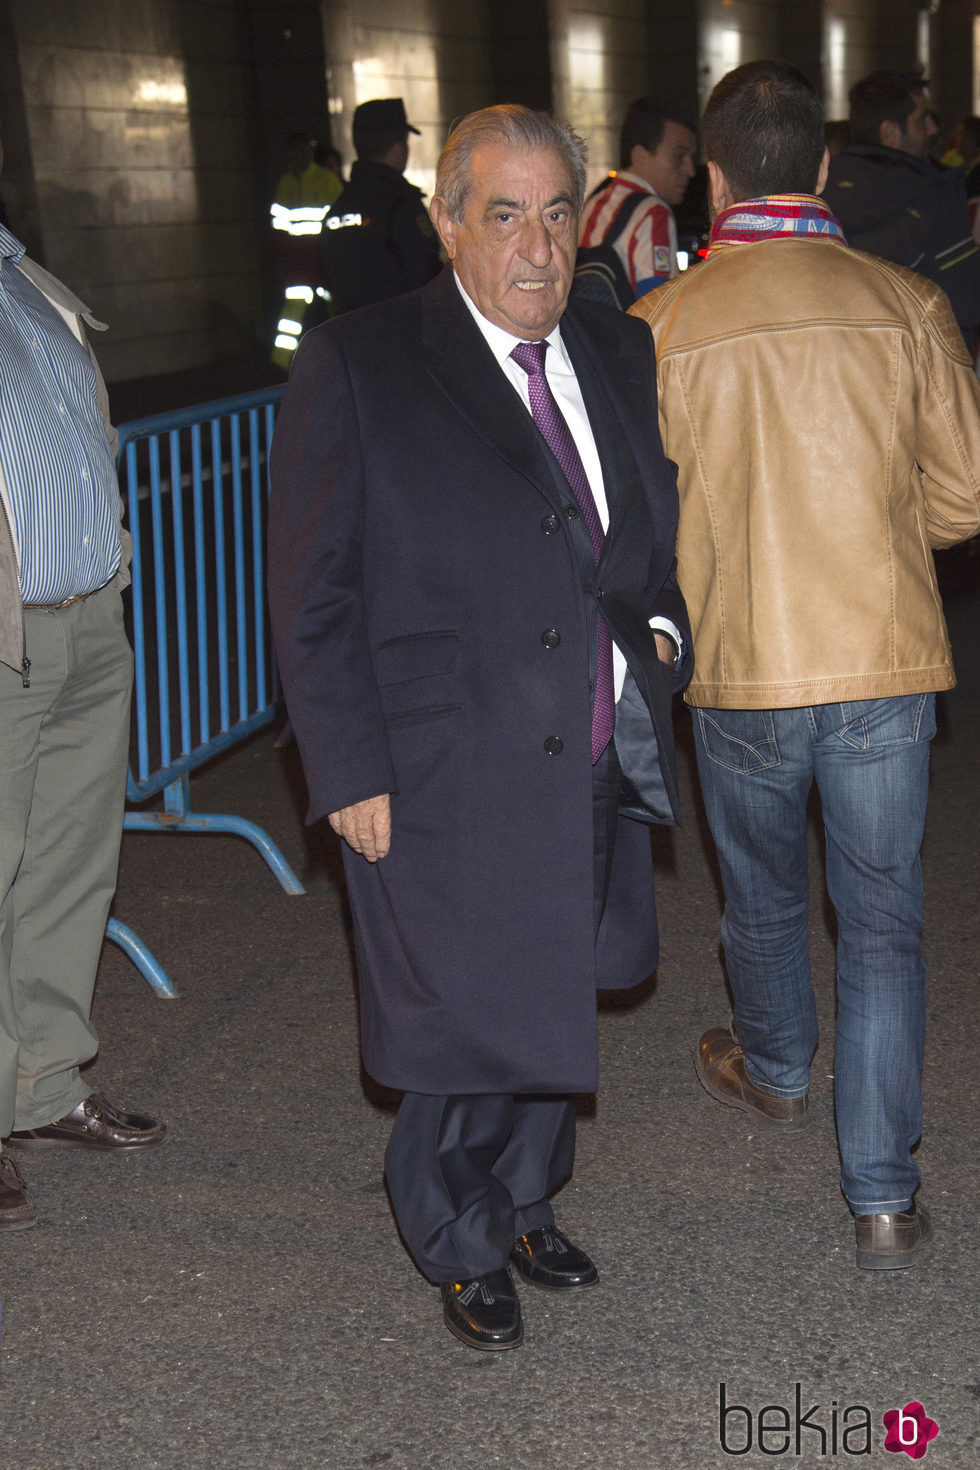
419, 549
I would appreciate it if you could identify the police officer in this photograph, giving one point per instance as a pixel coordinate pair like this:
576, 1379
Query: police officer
377, 240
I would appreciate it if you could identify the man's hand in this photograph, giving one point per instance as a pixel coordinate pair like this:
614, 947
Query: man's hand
365, 826
666, 651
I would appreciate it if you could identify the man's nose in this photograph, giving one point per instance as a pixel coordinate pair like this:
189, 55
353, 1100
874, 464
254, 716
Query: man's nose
536, 243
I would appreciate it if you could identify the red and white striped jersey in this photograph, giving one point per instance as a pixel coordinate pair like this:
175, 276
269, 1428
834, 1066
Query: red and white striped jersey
648, 245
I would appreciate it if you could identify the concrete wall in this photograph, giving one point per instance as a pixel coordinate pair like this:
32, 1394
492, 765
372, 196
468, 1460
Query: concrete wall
952, 64
137, 152
433, 53
599, 64
734, 31
849, 50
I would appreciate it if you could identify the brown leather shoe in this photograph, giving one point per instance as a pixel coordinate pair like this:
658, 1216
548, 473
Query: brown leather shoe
720, 1064
891, 1242
95, 1123
17, 1209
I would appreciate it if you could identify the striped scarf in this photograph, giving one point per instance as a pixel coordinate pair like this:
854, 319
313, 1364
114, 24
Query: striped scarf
774, 217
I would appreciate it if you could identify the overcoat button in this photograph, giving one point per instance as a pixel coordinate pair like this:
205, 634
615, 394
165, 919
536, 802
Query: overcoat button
551, 637
571, 511
553, 745
549, 525
600, 592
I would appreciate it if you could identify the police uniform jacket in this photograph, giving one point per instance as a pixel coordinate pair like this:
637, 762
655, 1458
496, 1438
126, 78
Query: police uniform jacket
377, 240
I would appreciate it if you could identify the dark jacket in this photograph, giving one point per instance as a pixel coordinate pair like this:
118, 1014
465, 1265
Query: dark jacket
909, 211
420, 547
377, 240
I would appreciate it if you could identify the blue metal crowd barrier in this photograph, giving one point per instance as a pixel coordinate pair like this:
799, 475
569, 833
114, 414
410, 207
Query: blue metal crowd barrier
144, 960
195, 483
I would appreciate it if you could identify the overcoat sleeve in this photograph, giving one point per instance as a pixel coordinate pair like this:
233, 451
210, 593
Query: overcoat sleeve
316, 572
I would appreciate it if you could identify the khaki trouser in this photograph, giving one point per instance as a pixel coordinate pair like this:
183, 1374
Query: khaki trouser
63, 751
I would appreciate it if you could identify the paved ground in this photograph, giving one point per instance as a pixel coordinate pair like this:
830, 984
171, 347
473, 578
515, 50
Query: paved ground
238, 1300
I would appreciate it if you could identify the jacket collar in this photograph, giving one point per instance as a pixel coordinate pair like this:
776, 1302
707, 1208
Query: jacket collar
884, 157
58, 293
10, 246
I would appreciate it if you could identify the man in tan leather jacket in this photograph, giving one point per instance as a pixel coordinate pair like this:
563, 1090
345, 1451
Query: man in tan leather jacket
825, 418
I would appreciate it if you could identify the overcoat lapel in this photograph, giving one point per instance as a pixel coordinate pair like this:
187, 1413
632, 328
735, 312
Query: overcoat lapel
615, 434
464, 368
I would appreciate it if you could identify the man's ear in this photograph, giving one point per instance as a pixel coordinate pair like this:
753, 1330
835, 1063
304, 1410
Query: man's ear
397, 155
444, 223
890, 134
719, 189
822, 175
639, 159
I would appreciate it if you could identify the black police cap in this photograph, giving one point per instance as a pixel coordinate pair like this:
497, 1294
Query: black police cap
382, 115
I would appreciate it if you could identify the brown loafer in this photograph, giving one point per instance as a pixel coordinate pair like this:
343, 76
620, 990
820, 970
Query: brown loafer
17, 1209
95, 1123
891, 1242
720, 1064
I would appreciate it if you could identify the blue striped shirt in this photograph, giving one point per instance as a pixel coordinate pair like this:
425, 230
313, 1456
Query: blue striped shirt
56, 468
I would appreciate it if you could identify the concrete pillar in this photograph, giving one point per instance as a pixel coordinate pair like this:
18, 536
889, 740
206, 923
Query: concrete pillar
17, 185
282, 45
436, 54
952, 88
898, 33
675, 52
801, 39
137, 158
598, 66
520, 54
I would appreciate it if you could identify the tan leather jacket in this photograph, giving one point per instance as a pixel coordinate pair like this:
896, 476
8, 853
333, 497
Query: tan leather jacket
77, 315
825, 419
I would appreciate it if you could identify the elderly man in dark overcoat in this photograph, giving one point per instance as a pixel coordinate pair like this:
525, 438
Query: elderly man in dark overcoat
471, 577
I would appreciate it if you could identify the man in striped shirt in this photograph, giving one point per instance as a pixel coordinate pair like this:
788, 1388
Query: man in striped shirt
656, 159
65, 678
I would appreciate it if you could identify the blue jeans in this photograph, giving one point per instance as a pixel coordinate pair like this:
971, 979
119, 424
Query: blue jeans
870, 760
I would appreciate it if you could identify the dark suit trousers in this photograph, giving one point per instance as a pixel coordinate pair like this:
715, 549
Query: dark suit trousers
470, 1173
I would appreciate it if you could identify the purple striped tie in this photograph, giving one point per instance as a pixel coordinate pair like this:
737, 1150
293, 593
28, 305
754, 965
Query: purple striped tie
558, 437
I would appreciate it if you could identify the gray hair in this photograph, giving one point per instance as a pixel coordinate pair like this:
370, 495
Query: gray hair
524, 130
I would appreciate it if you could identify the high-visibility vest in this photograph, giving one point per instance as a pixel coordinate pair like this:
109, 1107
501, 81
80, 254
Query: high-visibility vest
302, 200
